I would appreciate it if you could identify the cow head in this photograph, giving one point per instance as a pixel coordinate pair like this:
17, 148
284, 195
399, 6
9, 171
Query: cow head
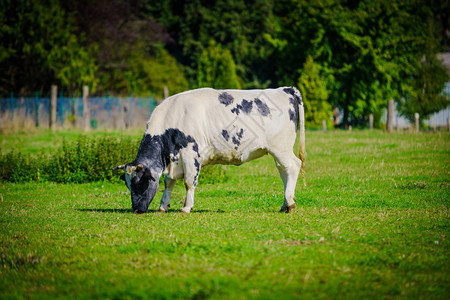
141, 183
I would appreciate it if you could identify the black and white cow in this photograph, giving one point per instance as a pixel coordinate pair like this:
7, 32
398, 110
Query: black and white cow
206, 126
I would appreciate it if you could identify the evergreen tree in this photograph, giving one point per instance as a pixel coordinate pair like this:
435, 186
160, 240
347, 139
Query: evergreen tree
148, 73
315, 94
427, 84
216, 69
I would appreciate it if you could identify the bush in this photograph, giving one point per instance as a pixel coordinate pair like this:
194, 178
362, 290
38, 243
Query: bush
85, 160
82, 161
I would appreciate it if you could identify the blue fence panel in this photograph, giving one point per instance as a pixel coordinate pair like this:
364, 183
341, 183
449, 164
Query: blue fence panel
105, 112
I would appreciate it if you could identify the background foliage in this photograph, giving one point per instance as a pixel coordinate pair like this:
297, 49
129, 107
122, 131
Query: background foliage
363, 52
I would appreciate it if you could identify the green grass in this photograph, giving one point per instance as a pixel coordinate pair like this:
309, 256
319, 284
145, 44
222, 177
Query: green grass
373, 222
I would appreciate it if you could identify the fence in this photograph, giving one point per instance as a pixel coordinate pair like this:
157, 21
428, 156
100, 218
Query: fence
104, 112
122, 113
438, 120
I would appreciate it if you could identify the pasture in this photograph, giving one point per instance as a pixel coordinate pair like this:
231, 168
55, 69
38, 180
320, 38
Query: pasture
372, 222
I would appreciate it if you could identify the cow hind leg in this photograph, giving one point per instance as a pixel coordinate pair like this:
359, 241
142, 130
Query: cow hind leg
169, 183
289, 167
283, 175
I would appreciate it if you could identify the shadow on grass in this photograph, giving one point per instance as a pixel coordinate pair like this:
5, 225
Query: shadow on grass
129, 211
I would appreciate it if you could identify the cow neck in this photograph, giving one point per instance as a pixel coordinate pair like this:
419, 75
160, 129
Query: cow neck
150, 153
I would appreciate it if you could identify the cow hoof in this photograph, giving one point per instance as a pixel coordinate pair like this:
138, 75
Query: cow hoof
290, 208
283, 209
287, 209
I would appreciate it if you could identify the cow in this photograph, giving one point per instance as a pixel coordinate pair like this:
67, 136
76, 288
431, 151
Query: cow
207, 126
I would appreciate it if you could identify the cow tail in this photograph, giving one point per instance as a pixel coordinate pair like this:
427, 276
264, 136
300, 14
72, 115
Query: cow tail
301, 142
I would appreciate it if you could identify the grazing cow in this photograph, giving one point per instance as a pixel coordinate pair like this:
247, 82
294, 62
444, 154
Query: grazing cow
206, 126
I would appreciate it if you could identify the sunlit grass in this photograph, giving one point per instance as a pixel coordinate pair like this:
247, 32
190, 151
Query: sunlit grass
372, 222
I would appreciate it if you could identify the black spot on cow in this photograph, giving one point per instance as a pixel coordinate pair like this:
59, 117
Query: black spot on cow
245, 106
263, 109
240, 133
235, 141
295, 93
295, 101
195, 148
225, 98
156, 150
197, 168
237, 109
294, 114
225, 135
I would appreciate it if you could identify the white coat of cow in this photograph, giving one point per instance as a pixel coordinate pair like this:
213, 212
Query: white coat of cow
207, 126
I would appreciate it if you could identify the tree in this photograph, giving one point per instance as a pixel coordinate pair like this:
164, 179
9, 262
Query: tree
236, 25
39, 48
366, 50
127, 46
315, 94
427, 85
148, 73
216, 69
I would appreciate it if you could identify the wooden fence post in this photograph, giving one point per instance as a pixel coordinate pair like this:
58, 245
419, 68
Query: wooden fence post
448, 123
390, 118
52, 114
108, 110
324, 125
86, 111
371, 121
416, 121
166, 92
130, 122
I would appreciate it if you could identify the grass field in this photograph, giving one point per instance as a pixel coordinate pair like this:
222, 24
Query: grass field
373, 222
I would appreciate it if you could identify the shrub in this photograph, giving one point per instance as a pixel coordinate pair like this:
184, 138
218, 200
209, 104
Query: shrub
85, 160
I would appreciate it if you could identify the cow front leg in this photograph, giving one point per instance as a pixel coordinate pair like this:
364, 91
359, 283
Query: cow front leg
192, 171
169, 183
189, 201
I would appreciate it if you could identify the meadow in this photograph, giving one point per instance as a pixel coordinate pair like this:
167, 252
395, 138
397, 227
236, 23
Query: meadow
372, 222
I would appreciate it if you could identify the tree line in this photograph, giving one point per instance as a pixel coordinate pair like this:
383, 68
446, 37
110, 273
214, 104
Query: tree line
354, 55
